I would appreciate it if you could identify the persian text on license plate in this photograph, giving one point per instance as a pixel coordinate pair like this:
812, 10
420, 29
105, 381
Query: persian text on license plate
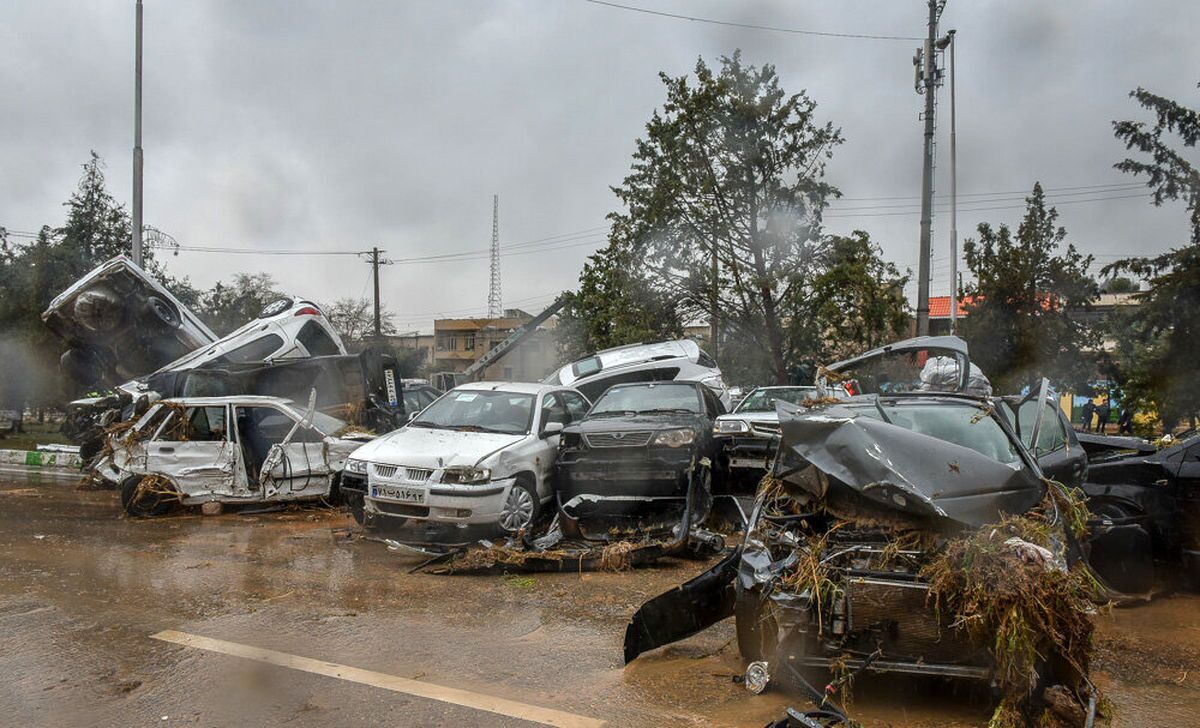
398, 493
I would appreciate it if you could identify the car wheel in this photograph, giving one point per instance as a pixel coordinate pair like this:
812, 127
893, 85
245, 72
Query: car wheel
148, 495
159, 310
520, 507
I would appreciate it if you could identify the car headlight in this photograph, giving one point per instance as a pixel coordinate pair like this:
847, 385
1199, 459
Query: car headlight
675, 438
356, 466
730, 427
466, 475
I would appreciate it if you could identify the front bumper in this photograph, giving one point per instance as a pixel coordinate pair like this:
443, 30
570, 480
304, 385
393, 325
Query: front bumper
637, 472
750, 452
459, 505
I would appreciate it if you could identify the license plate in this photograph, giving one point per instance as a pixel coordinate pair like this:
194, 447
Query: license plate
398, 493
747, 463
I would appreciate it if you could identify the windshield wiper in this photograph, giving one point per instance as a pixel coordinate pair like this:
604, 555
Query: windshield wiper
667, 410
426, 423
612, 413
478, 428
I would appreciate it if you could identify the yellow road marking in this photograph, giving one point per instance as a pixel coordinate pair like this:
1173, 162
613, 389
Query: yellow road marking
454, 696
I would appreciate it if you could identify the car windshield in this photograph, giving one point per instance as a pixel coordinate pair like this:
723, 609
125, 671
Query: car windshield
652, 397
959, 423
327, 424
479, 411
763, 400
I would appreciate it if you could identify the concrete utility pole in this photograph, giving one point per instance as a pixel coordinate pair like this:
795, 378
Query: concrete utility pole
949, 39
927, 70
375, 272
137, 140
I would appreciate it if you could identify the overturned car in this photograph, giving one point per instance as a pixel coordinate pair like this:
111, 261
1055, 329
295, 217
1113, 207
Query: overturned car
905, 530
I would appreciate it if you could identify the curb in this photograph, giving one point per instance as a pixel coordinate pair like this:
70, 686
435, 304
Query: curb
41, 459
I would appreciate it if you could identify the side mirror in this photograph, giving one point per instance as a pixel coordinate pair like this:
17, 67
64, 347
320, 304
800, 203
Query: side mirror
413, 415
550, 429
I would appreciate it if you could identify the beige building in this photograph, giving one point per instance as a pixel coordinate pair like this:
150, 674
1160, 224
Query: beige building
458, 343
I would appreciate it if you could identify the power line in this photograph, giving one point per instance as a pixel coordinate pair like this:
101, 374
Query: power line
750, 26
984, 209
995, 197
988, 194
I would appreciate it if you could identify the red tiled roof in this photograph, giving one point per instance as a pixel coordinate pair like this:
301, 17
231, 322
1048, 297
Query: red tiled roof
939, 306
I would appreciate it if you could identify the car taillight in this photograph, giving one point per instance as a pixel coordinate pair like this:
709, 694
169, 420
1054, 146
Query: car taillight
308, 311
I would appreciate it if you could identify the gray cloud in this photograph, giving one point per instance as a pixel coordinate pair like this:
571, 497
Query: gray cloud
304, 124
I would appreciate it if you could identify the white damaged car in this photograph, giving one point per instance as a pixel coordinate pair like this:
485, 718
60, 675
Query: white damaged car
478, 460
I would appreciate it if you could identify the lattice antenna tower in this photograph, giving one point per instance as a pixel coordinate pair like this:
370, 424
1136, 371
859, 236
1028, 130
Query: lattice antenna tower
495, 305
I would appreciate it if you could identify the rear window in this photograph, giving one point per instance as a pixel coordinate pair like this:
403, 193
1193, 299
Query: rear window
316, 339
255, 351
763, 400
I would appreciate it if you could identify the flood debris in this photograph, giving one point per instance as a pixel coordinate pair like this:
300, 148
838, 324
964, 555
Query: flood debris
906, 529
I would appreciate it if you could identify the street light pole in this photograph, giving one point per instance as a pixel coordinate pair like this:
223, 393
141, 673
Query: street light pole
953, 200
137, 140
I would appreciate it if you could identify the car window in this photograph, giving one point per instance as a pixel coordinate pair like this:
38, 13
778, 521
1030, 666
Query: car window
1051, 437
961, 424
553, 410
645, 397
481, 410
592, 390
577, 406
195, 424
254, 351
763, 400
418, 398
712, 404
316, 340
263, 425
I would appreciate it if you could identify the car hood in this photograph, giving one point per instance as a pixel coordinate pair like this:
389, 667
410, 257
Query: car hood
868, 463
639, 422
425, 447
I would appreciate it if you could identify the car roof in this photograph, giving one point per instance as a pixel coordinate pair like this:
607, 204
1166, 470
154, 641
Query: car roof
516, 387
233, 399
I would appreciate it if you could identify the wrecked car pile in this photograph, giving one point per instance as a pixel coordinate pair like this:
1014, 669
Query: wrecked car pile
886, 540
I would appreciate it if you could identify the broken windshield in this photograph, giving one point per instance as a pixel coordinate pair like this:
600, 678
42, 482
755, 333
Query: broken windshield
959, 423
479, 410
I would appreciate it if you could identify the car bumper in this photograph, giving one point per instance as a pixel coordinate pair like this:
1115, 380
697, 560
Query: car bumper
465, 505
749, 452
657, 476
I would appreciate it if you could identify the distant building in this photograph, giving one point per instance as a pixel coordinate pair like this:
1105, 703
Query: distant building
459, 342
939, 313
416, 341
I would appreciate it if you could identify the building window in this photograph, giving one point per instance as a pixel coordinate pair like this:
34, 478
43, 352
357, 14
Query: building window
441, 342
453, 343
469, 344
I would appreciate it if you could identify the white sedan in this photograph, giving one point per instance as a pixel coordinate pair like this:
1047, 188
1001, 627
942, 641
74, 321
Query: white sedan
482, 455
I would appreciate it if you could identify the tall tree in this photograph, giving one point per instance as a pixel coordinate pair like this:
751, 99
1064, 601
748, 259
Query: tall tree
354, 319
615, 305
724, 200
1159, 342
228, 305
858, 298
1019, 323
97, 226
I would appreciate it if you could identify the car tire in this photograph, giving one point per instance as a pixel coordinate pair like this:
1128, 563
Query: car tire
158, 310
143, 503
521, 507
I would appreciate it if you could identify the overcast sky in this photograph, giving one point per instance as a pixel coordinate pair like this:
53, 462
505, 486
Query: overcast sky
316, 125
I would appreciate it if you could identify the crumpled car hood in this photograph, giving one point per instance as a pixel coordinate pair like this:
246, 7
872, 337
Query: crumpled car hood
901, 470
424, 447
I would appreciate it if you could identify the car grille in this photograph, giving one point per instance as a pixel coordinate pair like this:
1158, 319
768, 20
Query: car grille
766, 428
618, 439
400, 509
419, 475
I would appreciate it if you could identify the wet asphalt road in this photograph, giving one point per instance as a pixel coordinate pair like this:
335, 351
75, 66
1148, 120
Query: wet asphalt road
307, 612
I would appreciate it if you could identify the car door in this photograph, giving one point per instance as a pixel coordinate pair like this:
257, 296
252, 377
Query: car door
192, 448
1059, 458
553, 410
277, 464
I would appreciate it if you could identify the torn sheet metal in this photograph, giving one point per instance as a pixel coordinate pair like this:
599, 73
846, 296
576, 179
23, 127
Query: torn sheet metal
904, 470
685, 610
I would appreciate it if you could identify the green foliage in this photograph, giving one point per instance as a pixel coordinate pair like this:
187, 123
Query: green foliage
615, 305
1158, 344
858, 297
730, 168
229, 305
1018, 325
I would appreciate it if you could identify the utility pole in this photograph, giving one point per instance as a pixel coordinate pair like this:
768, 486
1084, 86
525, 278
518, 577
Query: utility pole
137, 140
375, 274
495, 303
712, 322
953, 197
927, 80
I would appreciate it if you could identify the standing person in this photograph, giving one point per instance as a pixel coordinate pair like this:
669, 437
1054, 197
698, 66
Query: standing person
1089, 408
1125, 421
1102, 414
